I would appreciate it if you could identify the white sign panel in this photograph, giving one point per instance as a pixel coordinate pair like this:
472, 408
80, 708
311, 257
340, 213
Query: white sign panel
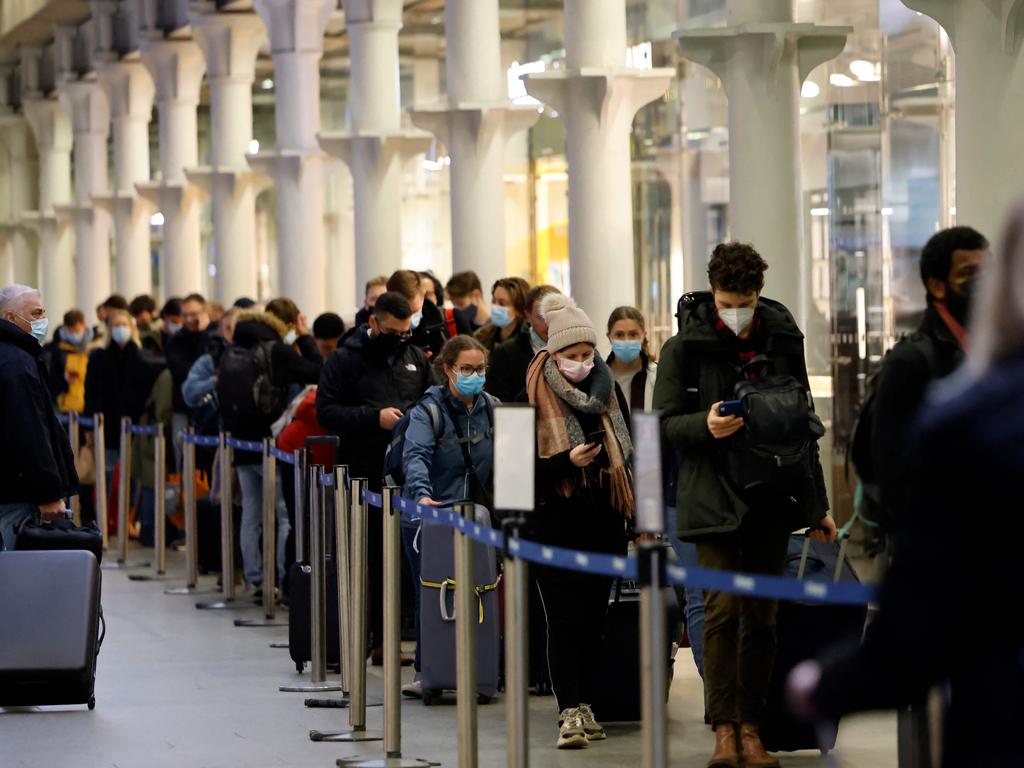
650, 509
515, 449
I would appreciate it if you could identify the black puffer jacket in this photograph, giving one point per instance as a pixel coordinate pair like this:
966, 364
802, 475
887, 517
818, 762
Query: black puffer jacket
36, 464
356, 384
182, 350
702, 358
118, 383
507, 367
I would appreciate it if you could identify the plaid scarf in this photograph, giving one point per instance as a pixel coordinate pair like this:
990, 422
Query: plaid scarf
559, 430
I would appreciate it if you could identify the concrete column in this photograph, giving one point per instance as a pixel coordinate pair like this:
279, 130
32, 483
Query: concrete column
297, 165
597, 97
177, 67
22, 188
230, 43
90, 126
130, 92
987, 36
762, 58
51, 126
475, 126
375, 146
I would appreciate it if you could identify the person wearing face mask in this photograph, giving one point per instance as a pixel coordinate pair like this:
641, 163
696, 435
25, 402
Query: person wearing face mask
372, 379
67, 358
506, 371
37, 469
429, 330
630, 362
950, 264
435, 457
467, 296
734, 530
508, 312
118, 382
584, 501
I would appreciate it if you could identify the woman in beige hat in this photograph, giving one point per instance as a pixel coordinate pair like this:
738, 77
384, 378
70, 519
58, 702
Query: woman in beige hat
584, 498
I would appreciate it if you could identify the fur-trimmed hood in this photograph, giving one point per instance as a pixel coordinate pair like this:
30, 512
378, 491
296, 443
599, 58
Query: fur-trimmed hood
253, 327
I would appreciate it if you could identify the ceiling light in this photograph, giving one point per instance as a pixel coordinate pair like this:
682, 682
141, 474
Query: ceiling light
819, 212
886, 211
840, 80
157, 219
809, 89
267, 84
254, 147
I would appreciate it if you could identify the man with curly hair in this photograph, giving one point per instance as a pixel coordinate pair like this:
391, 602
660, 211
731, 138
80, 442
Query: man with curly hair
735, 528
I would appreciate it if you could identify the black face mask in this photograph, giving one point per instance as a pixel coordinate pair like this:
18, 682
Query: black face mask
389, 344
959, 303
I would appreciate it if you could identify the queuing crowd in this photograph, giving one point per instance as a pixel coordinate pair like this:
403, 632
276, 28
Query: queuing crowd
423, 367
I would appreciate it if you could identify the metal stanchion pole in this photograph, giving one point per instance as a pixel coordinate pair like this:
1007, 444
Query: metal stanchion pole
517, 652
392, 646
317, 596
299, 475
269, 496
74, 437
188, 497
124, 490
465, 641
227, 530
99, 448
160, 494
355, 662
653, 655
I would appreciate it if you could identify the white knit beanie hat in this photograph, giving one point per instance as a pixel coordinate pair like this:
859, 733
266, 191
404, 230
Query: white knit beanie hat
567, 323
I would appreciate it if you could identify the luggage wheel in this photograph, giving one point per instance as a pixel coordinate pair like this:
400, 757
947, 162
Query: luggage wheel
92, 703
483, 699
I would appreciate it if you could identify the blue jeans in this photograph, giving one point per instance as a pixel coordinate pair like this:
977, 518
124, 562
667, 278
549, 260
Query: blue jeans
11, 517
411, 545
250, 478
687, 554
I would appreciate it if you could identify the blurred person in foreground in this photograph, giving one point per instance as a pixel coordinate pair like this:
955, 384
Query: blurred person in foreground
969, 448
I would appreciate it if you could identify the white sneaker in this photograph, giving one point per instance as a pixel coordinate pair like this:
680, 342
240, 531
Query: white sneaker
593, 729
570, 730
413, 690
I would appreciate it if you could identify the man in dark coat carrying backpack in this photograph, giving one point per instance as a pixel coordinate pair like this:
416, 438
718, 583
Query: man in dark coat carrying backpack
726, 338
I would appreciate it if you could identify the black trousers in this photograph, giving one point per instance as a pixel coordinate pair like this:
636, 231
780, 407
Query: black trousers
576, 606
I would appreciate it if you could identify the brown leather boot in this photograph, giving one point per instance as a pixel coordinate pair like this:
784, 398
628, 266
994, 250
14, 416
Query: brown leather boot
753, 752
726, 750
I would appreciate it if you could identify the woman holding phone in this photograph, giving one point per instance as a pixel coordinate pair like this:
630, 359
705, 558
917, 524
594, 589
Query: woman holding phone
584, 500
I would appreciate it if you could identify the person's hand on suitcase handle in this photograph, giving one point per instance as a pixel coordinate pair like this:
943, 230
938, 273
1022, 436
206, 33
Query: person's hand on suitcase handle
53, 510
825, 531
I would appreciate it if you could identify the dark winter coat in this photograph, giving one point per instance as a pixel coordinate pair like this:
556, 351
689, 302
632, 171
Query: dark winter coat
700, 357
182, 350
118, 383
929, 354
968, 458
507, 367
288, 368
432, 332
356, 384
36, 463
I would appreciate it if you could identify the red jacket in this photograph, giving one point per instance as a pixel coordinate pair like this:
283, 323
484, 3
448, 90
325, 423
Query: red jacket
304, 425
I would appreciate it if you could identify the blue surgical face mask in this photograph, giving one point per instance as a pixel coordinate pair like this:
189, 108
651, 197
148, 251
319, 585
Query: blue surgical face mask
500, 316
470, 386
417, 318
626, 350
39, 328
75, 339
121, 334
536, 342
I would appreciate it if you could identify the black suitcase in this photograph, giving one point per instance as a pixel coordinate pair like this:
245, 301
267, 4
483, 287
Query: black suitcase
49, 627
208, 538
807, 631
60, 534
617, 697
299, 633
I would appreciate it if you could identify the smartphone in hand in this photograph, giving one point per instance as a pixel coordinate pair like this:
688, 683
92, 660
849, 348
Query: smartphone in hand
596, 437
731, 408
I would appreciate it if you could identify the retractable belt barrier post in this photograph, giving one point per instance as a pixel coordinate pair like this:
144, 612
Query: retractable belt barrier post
517, 650
465, 641
653, 653
124, 496
227, 529
342, 557
74, 437
159, 500
269, 497
299, 477
99, 448
188, 498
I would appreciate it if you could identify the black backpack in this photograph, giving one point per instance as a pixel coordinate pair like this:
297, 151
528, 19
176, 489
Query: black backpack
778, 445
246, 390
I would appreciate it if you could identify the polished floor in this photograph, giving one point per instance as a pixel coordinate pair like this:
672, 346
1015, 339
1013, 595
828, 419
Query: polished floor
183, 688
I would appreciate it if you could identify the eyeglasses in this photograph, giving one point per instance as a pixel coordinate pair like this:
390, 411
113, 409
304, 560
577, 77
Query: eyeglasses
469, 370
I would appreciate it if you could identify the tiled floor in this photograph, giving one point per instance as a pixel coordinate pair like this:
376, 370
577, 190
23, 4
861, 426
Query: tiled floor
185, 688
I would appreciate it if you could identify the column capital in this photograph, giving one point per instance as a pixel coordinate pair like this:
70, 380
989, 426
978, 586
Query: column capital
615, 95
949, 13
177, 68
129, 88
385, 147
296, 25
50, 124
230, 43
90, 109
484, 122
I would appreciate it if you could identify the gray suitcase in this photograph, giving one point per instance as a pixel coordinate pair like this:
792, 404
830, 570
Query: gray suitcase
49, 627
437, 615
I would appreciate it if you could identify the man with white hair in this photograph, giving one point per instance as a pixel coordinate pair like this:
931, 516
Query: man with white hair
37, 470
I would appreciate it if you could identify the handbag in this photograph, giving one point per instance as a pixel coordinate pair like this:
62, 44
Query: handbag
35, 535
85, 464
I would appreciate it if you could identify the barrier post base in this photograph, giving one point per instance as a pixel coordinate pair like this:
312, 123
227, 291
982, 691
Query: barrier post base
192, 590
383, 762
229, 604
147, 577
341, 703
261, 623
348, 737
311, 688
123, 566
279, 645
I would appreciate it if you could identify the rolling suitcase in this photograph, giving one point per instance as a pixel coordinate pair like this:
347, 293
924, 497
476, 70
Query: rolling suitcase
806, 631
299, 610
437, 613
617, 697
49, 627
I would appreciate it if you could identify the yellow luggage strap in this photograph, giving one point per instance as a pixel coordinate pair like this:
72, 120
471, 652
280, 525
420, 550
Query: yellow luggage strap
478, 590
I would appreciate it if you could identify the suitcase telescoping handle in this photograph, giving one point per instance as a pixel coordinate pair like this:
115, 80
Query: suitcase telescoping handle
806, 553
